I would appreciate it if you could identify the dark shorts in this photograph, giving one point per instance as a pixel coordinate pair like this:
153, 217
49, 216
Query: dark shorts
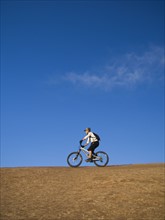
93, 146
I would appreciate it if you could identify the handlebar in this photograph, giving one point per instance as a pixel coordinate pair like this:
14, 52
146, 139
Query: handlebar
81, 143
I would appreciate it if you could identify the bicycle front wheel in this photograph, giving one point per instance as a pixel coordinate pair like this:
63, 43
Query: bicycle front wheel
101, 159
74, 159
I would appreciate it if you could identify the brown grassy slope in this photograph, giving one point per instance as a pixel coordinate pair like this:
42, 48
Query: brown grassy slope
132, 192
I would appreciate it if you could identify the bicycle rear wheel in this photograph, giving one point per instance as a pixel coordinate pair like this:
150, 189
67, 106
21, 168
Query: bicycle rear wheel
74, 159
101, 159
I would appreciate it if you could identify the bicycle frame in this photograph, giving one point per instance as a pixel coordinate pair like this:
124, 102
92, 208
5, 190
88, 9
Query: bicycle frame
86, 152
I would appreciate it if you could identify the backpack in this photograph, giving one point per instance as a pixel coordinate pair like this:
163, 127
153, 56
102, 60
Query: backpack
97, 136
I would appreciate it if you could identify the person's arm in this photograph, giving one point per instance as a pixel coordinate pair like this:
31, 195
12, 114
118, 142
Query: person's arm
86, 137
86, 143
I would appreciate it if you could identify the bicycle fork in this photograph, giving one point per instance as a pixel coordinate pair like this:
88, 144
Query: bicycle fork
75, 158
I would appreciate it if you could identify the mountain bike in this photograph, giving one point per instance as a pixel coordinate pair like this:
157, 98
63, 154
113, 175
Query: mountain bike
99, 158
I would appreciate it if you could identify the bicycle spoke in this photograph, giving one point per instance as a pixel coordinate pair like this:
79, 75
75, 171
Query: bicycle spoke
101, 159
74, 159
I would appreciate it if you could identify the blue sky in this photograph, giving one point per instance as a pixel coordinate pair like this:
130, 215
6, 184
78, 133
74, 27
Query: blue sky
68, 65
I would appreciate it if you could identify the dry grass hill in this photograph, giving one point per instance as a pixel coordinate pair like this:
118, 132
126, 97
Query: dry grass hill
128, 192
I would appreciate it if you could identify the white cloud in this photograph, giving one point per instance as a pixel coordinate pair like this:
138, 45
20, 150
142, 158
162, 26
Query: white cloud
129, 70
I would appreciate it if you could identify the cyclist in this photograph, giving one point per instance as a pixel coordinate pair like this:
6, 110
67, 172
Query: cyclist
91, 138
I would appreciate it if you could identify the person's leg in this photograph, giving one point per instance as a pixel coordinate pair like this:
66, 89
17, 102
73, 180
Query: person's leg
95, 145
90, 154
91, 150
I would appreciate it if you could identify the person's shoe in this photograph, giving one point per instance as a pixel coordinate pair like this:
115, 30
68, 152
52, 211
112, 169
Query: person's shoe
88, 160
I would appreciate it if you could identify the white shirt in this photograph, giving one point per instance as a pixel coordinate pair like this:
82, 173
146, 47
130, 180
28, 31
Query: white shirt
91, 137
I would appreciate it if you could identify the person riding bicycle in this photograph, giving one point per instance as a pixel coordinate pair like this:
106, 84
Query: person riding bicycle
91, 138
